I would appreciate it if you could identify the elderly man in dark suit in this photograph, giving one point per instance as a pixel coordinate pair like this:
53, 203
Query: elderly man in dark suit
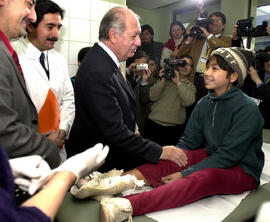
18, 116
105, 102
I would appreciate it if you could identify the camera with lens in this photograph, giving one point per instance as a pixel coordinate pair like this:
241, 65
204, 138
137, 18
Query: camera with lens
141, 66
245, 28
203, 21
171, 65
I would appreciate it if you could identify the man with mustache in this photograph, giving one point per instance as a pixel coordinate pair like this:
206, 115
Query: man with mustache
46, 74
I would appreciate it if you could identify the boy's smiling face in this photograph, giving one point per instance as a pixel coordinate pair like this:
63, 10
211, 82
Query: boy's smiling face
217, 79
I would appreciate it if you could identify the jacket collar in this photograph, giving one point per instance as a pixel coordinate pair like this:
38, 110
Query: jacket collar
110, 53
227, 95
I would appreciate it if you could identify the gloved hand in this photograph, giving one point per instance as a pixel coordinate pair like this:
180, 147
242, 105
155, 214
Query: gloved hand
30, 172
86, 162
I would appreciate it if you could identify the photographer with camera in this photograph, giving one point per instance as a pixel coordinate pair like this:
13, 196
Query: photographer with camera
170, 95
257, 85
200, 44
135, 70
172, 46
141, 75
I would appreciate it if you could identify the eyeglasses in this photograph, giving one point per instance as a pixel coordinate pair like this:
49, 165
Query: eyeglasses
217, 21
177, 30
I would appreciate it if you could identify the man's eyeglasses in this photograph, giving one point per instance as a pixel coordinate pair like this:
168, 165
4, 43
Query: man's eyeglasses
217, 21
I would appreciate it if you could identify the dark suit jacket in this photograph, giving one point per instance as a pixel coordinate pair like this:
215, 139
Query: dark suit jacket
105, 113
19, 121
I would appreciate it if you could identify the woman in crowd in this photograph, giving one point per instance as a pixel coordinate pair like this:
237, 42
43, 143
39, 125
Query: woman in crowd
177, 33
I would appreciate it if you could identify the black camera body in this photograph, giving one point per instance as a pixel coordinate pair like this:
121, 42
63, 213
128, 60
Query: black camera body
245, 28
171, 64
260, 30
203, 21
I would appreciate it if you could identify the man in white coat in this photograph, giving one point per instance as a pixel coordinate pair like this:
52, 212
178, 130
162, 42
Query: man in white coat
46, 74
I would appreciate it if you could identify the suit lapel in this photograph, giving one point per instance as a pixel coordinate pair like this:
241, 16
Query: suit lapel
17, 72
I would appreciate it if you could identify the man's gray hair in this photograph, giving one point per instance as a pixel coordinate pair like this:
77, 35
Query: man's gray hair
115, 18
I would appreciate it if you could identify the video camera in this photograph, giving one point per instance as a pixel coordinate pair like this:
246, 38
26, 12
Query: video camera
245, 28
171, 64
203, 21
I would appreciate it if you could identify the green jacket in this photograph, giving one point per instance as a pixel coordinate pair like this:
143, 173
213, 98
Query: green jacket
230, 128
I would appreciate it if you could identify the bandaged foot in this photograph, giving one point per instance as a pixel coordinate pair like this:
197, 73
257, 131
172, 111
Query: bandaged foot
98, 176
106, 184
115, 210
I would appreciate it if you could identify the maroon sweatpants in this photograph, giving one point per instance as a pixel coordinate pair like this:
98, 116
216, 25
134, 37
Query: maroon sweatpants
203, 183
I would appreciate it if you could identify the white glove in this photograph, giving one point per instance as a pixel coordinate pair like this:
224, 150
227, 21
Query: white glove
30, 172
86, 162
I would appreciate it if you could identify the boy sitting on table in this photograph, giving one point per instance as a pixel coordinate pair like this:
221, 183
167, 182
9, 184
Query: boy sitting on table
221, 146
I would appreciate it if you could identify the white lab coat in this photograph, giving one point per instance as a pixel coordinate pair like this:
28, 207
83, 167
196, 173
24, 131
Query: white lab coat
38, 83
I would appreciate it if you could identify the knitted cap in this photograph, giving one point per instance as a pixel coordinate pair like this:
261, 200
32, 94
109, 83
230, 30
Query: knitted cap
239, 59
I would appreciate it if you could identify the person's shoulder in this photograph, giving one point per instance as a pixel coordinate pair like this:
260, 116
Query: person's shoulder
196, 44
57, 58
56, 54
2, 51
20, 45
158, 43
227, 38
203, 102
98, 65
243, 100
5, 59
170, 41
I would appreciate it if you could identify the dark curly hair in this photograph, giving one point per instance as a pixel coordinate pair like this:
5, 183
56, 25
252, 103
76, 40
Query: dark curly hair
44, 7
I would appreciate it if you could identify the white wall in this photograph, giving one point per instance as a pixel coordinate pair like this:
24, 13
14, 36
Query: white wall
80, 26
